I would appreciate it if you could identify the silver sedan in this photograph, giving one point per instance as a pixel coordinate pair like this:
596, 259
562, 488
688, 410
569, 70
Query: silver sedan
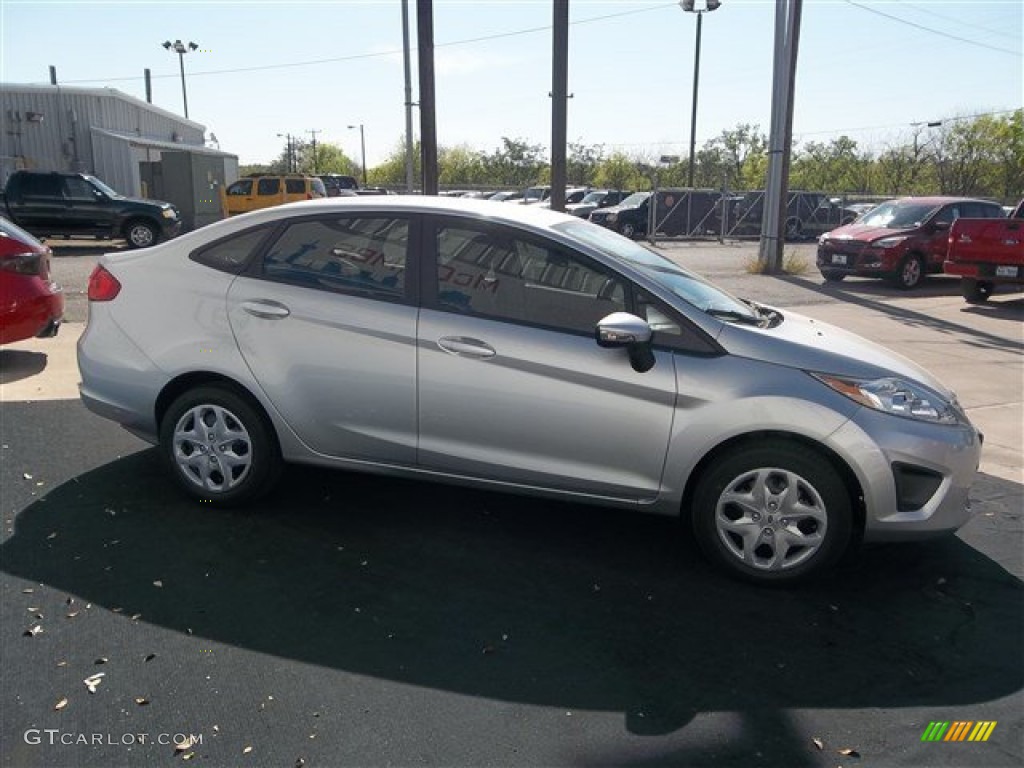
519, 350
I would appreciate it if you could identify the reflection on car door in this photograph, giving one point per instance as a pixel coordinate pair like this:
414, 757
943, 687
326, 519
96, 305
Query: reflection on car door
328, 328
513, 386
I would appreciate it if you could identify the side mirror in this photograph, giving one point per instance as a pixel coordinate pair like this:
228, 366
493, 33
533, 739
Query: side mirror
940, 226
621, 329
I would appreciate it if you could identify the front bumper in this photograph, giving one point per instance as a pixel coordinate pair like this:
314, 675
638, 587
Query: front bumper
915, 476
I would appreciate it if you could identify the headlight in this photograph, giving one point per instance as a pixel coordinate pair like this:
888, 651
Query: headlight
612, 217
888, 242
169, 213
896, 397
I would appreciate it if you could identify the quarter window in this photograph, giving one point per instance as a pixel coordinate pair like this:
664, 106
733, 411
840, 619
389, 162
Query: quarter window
505, 276
232, 255
358, 255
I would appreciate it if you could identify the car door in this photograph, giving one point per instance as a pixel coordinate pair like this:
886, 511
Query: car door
88, 209
40, 206
326, 321
513, 386
937, 243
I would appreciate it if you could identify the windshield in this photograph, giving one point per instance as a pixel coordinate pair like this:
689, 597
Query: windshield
897, 215
103, 187
594, 197
535, 193
686, 285
635, 199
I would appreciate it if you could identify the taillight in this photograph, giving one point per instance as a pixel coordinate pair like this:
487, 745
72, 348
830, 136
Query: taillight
103, 286
23, 263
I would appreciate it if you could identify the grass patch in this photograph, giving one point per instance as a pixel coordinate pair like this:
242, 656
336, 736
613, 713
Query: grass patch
792, 264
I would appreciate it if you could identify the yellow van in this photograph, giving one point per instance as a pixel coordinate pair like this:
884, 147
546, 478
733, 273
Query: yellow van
263, 191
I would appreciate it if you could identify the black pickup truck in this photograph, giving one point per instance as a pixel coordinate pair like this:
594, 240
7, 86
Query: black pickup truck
48, 203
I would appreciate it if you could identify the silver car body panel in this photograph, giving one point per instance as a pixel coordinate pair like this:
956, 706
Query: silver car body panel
389, 388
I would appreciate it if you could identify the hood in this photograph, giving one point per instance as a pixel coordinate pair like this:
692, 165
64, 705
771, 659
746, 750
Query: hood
145, 201
802, 342
865, 234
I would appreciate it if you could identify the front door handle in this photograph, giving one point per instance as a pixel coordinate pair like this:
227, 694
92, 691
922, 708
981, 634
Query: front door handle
463, 346
267, 309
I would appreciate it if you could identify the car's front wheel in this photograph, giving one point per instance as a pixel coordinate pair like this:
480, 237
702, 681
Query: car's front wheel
626, 229
141, 234
218, 447
909, 273
772, 512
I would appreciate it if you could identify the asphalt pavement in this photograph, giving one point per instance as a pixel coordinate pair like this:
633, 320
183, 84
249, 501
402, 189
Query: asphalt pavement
353, 620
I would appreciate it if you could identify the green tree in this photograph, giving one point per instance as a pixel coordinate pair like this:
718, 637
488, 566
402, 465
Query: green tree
516, 163
581, 163
619, 171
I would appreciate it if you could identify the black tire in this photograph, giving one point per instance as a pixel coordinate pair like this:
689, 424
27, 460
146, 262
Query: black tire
794, 229
234, 435
833, 276
626, 229
740, 530
141, 233
976, 291
910, 273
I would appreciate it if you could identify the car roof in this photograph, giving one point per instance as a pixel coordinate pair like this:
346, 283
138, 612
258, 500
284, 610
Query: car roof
941, 200
525, 215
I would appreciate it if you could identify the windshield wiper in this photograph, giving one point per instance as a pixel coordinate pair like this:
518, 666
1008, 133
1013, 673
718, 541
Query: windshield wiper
733, 314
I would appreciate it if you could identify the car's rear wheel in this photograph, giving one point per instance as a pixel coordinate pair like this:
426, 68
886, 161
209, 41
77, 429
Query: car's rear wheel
976, 291
141, 234
833, 276
772, 512
909, 273
218, 447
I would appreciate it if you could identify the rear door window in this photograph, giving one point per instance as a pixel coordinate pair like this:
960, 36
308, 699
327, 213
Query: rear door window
295, 186
361, 255
268, 187
40, 185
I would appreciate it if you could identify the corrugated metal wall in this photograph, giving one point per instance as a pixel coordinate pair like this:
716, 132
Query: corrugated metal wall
48, 128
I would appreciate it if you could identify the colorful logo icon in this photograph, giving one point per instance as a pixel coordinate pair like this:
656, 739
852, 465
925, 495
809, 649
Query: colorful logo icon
958, 730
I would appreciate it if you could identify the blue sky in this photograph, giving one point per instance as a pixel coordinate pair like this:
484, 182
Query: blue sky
867, 68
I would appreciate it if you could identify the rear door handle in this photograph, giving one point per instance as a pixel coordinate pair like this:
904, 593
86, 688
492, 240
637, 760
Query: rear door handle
265, 308
463, 346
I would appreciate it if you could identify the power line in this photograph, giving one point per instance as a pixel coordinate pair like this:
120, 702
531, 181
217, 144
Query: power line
961, 22
933, 31
379, 54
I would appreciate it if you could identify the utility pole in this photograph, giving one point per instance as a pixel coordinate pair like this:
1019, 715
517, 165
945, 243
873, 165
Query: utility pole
428, 106
409, 161
313, 133
559, 101
787, 39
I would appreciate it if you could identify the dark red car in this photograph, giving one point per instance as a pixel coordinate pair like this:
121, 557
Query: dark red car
31, 304
902, 240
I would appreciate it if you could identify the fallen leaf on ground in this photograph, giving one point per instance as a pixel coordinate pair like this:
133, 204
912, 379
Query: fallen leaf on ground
101, 660
52, 535
60, 704
185, 745
188, 755
72, 614
142, 702
27, 591
32, 631
818, 743
27, 476
247, 750
62, 663
93, 681
158, 583
150, 657
848, 752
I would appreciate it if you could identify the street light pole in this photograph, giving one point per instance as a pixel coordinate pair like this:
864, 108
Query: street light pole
289, 150
180, 48
688, 6
362, 147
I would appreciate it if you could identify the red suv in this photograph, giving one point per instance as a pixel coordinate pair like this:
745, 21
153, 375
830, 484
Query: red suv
902, 240
30, 303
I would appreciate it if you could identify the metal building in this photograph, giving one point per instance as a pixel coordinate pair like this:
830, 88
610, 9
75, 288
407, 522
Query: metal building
136, 148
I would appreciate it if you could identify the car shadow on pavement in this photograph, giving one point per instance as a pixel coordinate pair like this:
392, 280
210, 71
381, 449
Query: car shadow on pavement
1010, 307
530, 601
18, 364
